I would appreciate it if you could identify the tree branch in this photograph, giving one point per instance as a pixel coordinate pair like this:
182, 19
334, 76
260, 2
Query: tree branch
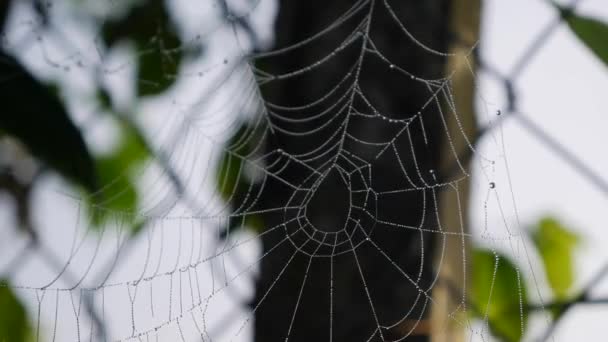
582, 298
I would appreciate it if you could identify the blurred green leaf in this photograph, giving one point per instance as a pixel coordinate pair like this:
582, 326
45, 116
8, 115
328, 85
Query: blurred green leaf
592, 32
159, 52
116, 172
133, 149
496, 291
231, 178
157, 70
14, 324
32, 114
138, 226
255, 223
140, 23
556, 244
118, 192
104, 98
252, 221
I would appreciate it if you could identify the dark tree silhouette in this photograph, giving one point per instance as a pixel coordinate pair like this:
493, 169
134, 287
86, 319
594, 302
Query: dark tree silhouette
365, 289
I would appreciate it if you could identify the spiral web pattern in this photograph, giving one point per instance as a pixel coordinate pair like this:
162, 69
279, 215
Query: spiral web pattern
179, 278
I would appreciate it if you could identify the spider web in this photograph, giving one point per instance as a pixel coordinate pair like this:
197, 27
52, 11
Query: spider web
185, 276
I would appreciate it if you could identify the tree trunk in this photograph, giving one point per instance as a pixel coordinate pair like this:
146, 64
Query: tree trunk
449, 315
352, 261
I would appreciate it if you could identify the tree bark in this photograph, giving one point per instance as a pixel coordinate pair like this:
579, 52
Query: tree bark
316, 290
449, 315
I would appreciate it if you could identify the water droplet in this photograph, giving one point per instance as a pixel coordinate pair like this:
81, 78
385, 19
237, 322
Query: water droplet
498, 112
492, 185
225, 61
392, 66
412, 76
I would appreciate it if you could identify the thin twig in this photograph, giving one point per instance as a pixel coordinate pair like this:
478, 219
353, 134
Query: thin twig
561, 151
583, 297
567, 303
539, 41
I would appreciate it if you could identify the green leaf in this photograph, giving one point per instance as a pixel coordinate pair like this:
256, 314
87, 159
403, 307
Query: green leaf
138, 226
118, 194
230, 174
32, 114
14, 324
234, 182
592, 32
140, 23
104, 98
556, 244
133, 148
157, 70
159, 52
497, 291
116, 172
228, 179
253, 222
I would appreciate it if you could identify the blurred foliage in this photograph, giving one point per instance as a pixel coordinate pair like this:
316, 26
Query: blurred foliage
556, 244
35, 116
159, 53
138, 226
498, 291
230, 173
498, 294
592, 32
118, 174
14, 323
109, 178
232, 179
252, 221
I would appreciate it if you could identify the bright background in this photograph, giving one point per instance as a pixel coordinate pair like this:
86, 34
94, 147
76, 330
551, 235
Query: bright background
563, 90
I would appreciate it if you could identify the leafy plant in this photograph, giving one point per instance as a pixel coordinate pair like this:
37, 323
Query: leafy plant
159, 55
14, 323
498, 294
556, 244
43, 125
498, 291
233, 180
117, 175
591, 32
